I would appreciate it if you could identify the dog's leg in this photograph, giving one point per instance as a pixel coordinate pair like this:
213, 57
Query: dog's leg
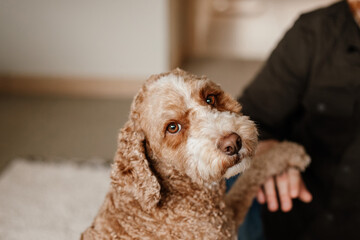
274, 161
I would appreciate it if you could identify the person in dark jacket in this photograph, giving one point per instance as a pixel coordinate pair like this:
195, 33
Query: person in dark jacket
308, 91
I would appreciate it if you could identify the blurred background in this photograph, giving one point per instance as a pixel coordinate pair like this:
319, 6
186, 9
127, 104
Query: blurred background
69, 68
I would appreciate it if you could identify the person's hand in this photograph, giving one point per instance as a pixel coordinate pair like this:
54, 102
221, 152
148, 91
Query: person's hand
289, 185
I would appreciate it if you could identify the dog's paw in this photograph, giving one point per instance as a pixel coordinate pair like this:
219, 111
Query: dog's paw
294, 154
277, 159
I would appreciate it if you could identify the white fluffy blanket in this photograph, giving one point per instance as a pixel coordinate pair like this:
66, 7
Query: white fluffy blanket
50, 201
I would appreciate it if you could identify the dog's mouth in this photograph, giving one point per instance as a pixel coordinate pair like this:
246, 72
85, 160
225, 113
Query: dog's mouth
235, 159
237, 165
231, 161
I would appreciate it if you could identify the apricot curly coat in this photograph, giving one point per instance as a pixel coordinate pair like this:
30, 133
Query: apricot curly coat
169, 169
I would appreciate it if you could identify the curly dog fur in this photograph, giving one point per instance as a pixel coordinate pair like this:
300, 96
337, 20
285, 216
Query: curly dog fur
184, 135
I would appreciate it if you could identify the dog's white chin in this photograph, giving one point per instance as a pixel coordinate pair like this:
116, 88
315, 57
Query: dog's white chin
238, 168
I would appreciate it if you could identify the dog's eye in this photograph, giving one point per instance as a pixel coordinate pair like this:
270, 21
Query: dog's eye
173, 127
210, 99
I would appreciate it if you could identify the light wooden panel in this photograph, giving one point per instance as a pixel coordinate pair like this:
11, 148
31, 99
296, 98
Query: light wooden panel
69, 86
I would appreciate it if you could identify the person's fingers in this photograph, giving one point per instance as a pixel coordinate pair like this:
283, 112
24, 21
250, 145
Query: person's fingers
294, 182
282, 183
261, 196
304, 194
270, 193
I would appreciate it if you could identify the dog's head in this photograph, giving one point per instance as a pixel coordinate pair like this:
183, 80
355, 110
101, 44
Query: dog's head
187, 124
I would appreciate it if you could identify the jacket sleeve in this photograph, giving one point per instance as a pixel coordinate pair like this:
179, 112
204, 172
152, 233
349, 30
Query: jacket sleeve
274, 96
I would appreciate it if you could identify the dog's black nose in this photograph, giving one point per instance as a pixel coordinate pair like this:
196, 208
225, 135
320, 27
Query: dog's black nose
230, 144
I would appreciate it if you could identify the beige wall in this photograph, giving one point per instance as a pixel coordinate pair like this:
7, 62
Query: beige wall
247, 29
97, 38
131, 39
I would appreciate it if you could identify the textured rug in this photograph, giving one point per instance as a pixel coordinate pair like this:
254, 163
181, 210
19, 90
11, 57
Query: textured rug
50, 200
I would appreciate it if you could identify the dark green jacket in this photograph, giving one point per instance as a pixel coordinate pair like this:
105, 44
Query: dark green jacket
309, 92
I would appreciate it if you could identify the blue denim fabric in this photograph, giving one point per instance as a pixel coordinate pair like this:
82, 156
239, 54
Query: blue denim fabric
252, 228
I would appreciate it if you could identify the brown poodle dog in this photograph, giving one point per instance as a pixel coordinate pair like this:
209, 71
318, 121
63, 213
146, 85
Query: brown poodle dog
184, 135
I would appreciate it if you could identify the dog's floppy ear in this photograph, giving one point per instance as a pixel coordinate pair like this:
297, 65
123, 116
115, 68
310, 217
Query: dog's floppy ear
131, 174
